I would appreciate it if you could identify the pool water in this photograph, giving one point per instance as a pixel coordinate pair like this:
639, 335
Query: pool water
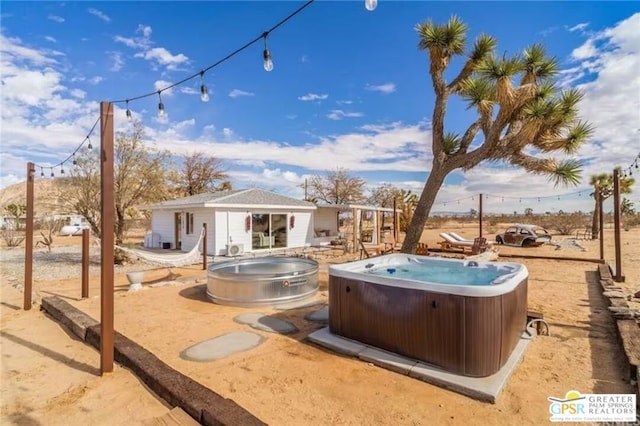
443, 273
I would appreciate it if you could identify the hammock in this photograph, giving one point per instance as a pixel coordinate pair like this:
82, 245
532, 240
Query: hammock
169, 259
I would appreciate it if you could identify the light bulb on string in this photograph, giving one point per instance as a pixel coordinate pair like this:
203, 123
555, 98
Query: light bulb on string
161, 111
266, 55
62, 169
89, 146
204, 93
75, 162
370, 5
52, 175
128, 112
41, 172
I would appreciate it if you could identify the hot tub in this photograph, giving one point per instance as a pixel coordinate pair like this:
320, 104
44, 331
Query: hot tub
264, 281
463, 316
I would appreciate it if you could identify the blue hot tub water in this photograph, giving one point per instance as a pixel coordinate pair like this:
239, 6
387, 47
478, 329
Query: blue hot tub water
444, 272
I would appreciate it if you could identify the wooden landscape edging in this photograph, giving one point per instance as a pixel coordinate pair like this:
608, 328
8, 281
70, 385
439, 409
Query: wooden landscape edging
627, 327
177, 389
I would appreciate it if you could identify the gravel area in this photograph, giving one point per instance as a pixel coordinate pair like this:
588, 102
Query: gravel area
61, 263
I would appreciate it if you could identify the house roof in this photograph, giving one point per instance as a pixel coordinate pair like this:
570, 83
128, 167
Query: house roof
238, 198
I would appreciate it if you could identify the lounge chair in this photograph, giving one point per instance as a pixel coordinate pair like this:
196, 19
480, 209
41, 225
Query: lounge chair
476, 246
458, 237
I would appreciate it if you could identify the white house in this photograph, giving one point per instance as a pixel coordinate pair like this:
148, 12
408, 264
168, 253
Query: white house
237, 221
254, 220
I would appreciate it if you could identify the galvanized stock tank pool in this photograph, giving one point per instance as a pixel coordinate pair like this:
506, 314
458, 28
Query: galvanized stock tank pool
264, 281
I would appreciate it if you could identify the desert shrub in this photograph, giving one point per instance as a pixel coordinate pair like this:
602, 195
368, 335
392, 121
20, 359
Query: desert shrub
564, 224
631, 221
11, 239
435, 222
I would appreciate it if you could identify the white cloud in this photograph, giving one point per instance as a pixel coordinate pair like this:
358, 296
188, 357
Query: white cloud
579, 27
305, 59
117, 60
162, 84
313, 97
56, 18
382, 88
190, 90
162, 56
50, 39
236, 93
611, 74
338, 114
95, 80
586, 51
227, 132
344, 102
13, 50
78, 93
99, 14
142, 42
291, 116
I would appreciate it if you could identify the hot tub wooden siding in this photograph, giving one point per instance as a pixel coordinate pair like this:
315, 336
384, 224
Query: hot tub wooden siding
472, 336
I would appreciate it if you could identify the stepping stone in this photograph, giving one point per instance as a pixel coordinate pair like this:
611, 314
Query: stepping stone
266, 323
222, 346
321, 315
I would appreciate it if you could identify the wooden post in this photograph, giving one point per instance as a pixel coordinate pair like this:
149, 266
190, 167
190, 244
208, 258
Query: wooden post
616, 224
354, 212
378, 225
107, 230
395, 220
204, 246
601, 225
28, 245
85, 263
480, 216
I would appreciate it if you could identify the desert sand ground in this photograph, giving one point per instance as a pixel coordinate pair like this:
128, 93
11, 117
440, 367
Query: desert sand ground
50, 377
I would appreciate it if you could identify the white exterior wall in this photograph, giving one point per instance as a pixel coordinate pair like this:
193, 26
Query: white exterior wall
228, 226
201, 215
326, 219
162, 224
302, 234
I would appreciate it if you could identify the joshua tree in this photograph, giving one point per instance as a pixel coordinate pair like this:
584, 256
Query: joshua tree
603, 189
518, 108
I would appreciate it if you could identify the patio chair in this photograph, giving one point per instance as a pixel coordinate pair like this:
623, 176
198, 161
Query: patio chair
390, 243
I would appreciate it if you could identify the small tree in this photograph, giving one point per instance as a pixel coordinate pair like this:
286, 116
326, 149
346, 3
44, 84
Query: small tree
518, 107
528, 211
337, 187
627, 208
198, 173
16, 211
602, 189
384, 195
139, 178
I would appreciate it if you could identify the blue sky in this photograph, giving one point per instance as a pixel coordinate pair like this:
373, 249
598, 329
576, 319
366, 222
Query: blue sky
349, 87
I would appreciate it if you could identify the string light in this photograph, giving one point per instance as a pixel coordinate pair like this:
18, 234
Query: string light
52, 175
161, 112
204, 93
62, 169
128, 112
75, 162
41, 172
268, 63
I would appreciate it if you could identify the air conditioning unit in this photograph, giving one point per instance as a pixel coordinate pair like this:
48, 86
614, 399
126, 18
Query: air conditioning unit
235, 249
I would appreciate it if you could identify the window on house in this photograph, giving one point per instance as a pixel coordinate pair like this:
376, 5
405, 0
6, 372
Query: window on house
189, 223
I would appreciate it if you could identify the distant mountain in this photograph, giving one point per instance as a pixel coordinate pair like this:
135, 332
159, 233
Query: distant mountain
47, 193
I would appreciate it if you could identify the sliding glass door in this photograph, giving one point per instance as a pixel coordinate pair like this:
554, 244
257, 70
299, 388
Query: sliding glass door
269, 230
